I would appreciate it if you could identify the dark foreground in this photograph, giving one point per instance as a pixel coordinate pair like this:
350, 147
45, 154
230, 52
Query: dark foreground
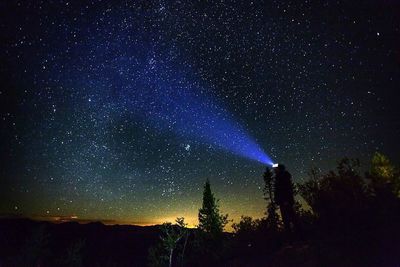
30, 243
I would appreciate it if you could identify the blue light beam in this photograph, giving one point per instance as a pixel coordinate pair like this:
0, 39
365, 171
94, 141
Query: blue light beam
170, 100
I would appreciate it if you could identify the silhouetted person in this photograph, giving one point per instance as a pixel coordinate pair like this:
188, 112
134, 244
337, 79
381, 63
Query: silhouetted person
284, 197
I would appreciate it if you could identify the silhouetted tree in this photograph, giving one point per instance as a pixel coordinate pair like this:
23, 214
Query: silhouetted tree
211, 221
384, 180
171, 235
384, 213
272, 220
336, 197
309, 190
209, 239
381, 166
185, 235
246, 225
355, 218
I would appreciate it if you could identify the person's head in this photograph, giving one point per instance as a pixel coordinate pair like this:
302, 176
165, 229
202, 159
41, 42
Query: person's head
279, 169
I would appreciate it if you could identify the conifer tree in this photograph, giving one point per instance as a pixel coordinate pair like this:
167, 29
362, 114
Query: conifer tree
272, 215
210, 219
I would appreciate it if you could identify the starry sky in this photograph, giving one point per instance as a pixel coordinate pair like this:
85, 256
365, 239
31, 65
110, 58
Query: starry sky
120, 110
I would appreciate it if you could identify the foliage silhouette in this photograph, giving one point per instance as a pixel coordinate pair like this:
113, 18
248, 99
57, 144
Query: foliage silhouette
272, 221
210, 242
211, 221
170, 237
246, 225
356, 218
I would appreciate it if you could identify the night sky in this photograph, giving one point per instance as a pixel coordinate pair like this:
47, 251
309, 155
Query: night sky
120, 110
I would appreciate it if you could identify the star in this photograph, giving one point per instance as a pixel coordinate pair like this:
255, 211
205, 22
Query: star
187, 147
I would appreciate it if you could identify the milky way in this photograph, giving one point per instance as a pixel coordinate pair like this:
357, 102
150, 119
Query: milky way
120, 110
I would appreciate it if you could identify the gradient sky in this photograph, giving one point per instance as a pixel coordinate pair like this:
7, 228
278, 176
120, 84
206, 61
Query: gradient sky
120, 110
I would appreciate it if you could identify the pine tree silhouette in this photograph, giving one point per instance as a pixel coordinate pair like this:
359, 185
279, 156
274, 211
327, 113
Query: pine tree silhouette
271, 212
210, 219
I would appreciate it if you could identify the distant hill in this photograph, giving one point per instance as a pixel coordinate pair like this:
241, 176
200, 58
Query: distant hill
24, 240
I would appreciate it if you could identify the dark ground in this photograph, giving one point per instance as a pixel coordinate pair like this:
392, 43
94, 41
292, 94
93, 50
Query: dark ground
24, 241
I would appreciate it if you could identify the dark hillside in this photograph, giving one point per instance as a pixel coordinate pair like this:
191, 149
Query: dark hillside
57, 244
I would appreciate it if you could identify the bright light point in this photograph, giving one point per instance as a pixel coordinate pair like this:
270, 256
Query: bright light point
267, 162
275, 165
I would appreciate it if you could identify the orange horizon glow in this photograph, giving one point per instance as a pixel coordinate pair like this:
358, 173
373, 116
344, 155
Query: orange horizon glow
58, 219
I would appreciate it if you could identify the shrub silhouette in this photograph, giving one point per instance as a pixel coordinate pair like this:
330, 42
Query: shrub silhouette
171, 237
356, 217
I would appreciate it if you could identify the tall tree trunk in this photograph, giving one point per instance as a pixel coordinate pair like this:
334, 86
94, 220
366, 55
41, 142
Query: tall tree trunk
170, 257
271, 197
